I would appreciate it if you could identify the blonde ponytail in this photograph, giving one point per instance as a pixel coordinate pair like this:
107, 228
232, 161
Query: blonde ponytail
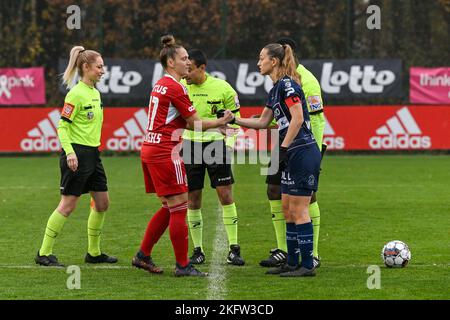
78, 57
71, 70
286, 58
290, 65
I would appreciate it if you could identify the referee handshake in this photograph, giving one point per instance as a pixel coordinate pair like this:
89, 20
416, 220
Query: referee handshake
226, 113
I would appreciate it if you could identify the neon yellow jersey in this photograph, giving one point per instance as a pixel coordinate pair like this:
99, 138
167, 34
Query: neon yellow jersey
311, 88
81, 117
212, 95
313, 96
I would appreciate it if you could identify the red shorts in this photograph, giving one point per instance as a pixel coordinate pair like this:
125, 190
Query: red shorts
165, 178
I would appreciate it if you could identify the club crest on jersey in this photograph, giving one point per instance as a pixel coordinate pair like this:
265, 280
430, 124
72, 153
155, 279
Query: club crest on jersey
288, 87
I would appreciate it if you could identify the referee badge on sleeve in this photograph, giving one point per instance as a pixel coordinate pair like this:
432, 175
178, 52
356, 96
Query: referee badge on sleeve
90, 115
236, 101
315, 103
67, 110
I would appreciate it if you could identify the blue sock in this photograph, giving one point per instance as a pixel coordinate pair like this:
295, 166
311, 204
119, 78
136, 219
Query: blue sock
292, 244
305, 243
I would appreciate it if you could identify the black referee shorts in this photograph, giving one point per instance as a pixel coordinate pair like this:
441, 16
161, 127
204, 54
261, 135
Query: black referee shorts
213, 157
90, 175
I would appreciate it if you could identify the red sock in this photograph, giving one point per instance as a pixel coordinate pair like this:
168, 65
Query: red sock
155, 228
179, 233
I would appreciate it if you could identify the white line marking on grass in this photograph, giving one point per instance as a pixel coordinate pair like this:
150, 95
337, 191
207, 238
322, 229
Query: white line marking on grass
217, 289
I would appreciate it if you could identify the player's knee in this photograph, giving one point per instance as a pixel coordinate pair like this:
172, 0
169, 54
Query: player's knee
225, 197
195, 200
273, 192
102, 206
66, 207
300, 216
194, 203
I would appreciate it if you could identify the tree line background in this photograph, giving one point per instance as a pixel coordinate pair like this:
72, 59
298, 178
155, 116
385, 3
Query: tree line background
34, 32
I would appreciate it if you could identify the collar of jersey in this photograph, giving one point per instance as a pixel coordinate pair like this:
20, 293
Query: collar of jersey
208, 77
84, 84
170, 76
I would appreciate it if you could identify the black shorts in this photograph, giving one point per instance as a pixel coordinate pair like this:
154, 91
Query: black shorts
275, 179
211, 156
90, 175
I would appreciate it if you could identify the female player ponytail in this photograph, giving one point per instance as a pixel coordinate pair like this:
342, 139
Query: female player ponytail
287, 62
78, 57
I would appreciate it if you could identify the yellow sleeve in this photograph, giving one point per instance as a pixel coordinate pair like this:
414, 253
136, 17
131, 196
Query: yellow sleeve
318, 127
69, 111
231, 102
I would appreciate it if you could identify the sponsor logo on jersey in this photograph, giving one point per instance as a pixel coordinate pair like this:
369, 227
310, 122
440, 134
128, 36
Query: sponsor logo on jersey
44, 136
400, 132
333, 141
283, 123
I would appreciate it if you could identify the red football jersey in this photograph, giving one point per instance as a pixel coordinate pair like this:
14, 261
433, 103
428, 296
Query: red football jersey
168, 108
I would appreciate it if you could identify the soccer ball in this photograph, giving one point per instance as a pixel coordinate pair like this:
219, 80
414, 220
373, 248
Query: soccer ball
396, 254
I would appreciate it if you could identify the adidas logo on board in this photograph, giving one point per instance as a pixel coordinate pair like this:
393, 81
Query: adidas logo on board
44, 137
400, 132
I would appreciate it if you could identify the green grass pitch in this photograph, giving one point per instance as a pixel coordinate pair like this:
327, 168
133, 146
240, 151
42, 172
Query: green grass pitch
365, 201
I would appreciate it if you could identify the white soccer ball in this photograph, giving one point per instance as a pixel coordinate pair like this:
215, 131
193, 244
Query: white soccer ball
396, 254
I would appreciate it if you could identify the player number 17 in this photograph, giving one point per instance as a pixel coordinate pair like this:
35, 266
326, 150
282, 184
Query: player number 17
152, 111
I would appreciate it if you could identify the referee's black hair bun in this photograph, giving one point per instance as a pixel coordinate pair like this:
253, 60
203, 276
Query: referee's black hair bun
167, 40
289, 41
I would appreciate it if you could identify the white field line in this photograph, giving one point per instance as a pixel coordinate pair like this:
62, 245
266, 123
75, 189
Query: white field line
217, 289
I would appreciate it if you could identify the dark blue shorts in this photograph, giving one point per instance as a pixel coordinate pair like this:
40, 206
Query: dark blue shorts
301, 176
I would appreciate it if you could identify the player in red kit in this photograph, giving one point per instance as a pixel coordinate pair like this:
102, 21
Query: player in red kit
170, 112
